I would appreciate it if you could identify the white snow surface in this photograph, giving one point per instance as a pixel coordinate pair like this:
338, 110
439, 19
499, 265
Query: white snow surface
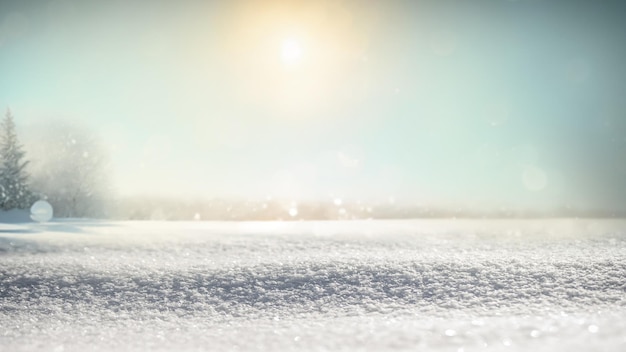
438, 285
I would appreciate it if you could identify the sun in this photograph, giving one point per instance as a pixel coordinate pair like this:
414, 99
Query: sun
291, 51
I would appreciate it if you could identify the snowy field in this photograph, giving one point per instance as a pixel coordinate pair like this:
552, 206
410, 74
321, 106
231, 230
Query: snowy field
440, 285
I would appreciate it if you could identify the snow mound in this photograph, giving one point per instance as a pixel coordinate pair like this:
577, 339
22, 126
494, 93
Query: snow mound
389, 286
14, 216
314, 287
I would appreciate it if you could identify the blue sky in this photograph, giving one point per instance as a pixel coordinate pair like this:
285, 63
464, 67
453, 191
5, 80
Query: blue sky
480, 103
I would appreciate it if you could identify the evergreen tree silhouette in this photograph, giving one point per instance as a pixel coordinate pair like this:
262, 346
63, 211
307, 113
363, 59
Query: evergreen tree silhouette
14, 190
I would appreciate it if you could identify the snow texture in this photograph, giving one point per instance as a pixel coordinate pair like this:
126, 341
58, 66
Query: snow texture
474, 285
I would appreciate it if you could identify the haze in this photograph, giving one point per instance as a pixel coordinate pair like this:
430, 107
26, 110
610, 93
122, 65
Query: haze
486, 103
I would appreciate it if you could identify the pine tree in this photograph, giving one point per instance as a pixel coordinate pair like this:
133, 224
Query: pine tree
14, 192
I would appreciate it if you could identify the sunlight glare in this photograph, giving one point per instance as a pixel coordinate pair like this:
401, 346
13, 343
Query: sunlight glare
291, 51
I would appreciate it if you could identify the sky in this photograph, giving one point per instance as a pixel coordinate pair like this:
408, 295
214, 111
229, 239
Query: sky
487, 103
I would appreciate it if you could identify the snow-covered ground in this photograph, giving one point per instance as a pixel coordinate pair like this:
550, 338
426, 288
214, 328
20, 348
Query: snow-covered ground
442, 285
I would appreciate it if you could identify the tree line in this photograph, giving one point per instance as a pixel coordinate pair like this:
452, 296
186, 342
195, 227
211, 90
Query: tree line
63, 164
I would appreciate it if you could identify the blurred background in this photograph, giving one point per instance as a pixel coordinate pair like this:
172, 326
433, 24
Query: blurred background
319, 109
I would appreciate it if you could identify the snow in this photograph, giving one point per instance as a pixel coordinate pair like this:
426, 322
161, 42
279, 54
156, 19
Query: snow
14, 216
441, 285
